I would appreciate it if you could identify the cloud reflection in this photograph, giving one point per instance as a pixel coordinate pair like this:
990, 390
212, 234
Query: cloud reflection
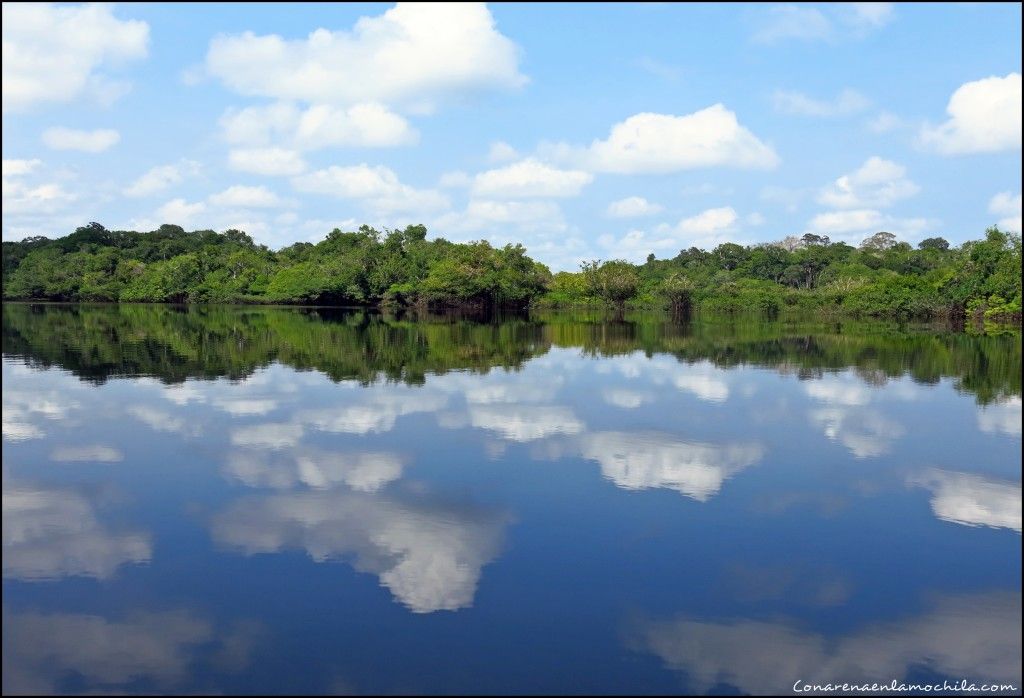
45, 651
644, 460
972, 500
429, 555
976, 636
50, 533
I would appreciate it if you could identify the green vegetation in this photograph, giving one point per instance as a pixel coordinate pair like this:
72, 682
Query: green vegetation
173, 342
401, 268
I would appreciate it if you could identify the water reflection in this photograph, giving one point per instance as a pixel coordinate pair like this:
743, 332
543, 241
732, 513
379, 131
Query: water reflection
428, 553
57, 653
974, 636
51, 532
636, 461
972, 500
828, 500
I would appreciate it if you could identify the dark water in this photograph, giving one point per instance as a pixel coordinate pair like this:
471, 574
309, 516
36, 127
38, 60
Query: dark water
281, 500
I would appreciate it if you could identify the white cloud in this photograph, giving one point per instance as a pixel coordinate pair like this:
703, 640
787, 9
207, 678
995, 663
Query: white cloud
662, 143
884, 122
851, 226
636, 461
318, 126
528, 179
876, 183
243, 407
708, 222
161, 177
54, 53
246, 197
846, 102
706, 229
25, 198
87, 141
456, 179
158, 420
985, 117
793, 22
414, 55
502, 152
871, 14
378, 186
482, 214
15, 168
180, 212
1008, 206
633, 206
267, 161
89, 454
972, 500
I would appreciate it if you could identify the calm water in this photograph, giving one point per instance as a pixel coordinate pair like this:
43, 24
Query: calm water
281, 500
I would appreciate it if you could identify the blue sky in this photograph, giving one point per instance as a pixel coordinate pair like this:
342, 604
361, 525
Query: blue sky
583, 131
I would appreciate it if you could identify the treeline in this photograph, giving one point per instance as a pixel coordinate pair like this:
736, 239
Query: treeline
882, 277
174, 343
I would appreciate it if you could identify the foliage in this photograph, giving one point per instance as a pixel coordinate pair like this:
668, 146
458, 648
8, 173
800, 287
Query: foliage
883, 277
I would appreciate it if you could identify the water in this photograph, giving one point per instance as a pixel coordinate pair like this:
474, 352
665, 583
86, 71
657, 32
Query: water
285, 500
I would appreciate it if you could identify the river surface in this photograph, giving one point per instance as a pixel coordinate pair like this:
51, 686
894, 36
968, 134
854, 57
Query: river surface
285, 500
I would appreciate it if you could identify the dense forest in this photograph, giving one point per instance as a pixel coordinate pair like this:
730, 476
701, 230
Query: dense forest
883, 277
173, 343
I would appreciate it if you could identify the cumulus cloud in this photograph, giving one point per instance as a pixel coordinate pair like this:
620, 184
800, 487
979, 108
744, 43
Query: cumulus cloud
501, 151
246, 197
662, 143
25, 194
846, 102
972, 500
636, 461
180, 212
1008, 206
853, 225
801, 22
482, 215
706, 229
50, 533
162, 177
633, 207
429, 555
413, 54
318, 126
624, 398
876, 183
56, 53
74, 139
527, 179
275, 162
379, 187
985, 117
792, 22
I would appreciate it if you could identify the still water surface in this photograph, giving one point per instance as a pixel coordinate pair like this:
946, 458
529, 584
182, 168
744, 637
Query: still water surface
286, 500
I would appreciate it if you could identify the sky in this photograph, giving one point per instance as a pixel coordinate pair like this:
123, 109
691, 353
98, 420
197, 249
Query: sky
584, 131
